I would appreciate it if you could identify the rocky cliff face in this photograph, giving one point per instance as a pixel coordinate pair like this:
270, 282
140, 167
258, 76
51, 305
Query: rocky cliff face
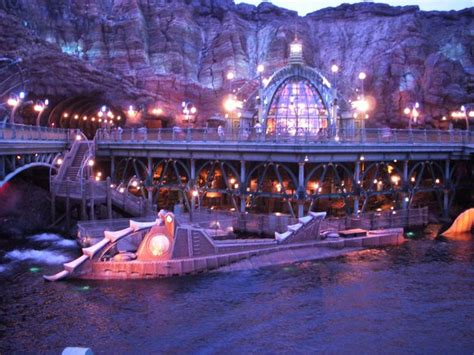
182, 49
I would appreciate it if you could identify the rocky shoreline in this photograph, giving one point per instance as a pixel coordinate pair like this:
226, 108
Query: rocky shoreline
25, 210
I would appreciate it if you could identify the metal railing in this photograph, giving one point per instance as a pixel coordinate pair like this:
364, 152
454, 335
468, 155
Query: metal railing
98, 190
19, 132
379, 220
302, 136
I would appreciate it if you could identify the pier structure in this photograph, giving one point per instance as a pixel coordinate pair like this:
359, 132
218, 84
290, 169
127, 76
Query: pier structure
290, 173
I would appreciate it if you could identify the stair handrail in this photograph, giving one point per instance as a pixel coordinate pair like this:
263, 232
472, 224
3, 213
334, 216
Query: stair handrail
90, 154
67, 161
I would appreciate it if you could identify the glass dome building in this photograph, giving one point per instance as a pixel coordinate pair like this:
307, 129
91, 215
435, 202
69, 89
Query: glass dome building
296, 107
296, 100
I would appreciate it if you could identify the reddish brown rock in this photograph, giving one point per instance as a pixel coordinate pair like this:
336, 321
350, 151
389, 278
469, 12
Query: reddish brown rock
168, 51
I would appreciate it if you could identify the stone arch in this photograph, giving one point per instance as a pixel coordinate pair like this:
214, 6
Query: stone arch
19, 170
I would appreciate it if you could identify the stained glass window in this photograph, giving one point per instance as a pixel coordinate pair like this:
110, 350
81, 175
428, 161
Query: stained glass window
297, 107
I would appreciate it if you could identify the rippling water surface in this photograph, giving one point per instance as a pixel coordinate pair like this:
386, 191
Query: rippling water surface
414, 298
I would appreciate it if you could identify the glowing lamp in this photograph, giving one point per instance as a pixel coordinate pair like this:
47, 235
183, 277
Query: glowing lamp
437, 181
230, 76
100, 114
22, 95
91, 162
78, 137
76, 117
134, 183
38, 108
406, 111
395, 179
122, 190
193, 110
169, 219
156, 111
65, 115
159, 245
260, 69
97, 178
230, 104
334, 68
362, 76
195, 193
362, 158
296, 49
13, 102
59, 161
84, 118
232, 181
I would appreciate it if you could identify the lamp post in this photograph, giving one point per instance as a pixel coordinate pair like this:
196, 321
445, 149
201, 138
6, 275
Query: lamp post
463, 114
194, 196
362, 77
412, 114
260, 70
334, 71
188, 110
40, 107
362, 107
15, 102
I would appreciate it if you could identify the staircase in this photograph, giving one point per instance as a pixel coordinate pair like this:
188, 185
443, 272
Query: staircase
73, 170
196, 243
70, 183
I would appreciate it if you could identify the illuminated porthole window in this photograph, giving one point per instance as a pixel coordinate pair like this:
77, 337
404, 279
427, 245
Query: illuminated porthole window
159, 245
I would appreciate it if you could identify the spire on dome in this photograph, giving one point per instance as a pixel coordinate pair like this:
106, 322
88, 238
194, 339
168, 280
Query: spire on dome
296, 52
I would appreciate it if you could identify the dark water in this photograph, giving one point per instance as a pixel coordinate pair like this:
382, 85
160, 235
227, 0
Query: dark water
416, 298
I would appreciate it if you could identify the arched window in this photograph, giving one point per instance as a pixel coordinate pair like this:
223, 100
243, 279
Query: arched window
296, 107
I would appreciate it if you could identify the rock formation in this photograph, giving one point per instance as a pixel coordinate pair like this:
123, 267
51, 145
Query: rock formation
169, 51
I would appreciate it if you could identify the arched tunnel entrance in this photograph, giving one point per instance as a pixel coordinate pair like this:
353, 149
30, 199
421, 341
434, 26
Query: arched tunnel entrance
87, 113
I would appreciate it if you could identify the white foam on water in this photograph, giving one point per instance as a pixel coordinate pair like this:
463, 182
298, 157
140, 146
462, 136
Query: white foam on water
55, 240
40, 256
66, 243
46, 237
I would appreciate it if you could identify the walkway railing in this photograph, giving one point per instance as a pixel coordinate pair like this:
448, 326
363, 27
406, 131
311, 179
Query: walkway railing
302, 136
379, 220
19, 132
